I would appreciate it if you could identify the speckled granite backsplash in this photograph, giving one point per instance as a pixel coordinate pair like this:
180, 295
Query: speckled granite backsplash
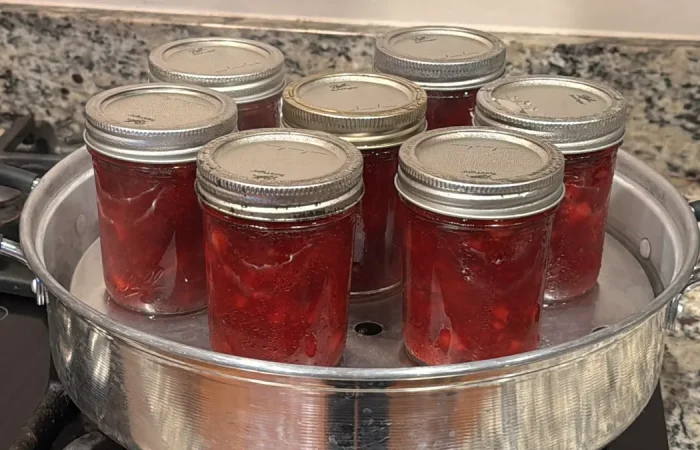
52, 62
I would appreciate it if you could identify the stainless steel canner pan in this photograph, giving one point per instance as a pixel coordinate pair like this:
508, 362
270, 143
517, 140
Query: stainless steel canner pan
153, 383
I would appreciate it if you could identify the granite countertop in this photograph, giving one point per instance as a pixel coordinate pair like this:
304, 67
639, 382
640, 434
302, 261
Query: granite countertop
53, 60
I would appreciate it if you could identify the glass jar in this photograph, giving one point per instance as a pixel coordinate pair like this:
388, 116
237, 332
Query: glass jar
251, 72
144, 141
586, 121
450, 63
376, 113
479, 207
279, 218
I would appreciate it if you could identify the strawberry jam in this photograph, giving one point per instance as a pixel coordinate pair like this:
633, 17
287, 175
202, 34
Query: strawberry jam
586, 122
153, 257
279, 218
450, 109
376, 113
251, 72
473, 287
377, 254
579, 226
275, 291
478, 211
450, 63
144, 154
260, 114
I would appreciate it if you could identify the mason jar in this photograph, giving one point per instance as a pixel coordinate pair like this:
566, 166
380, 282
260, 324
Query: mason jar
450, 63
279, 217
586, 121
144, 141
479, 207
376, 113
250, 72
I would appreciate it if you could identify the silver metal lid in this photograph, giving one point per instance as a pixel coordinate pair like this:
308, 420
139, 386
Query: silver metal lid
440, 57
480, 173
368, 109
578, 116
246, 70
157, 123
279, 175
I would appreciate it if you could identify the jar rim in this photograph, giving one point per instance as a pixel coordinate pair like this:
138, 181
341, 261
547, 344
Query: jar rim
480, 173
279, 175
577, 116
213, 71
157, 123
419, 54
368, 109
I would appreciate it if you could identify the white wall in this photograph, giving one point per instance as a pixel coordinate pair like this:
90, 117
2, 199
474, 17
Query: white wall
654, 18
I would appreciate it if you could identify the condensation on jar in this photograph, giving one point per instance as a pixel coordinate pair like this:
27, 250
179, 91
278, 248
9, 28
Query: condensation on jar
479, 207
144, 141
450, 63
376, 113
279, 217
250, 72
586, 122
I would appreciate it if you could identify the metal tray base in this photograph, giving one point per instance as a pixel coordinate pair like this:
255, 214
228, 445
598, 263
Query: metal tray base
374, 330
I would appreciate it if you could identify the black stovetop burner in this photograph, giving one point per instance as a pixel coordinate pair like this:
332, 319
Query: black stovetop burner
35, 412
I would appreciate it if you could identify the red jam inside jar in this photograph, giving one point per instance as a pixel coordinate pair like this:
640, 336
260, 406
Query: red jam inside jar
376, 113
275, 291
450, 63
150, 235
280, 210
263, 113
477, 211
586, 122
377, 254
473, 288
450, 108
144, 156
250, 72
579, 226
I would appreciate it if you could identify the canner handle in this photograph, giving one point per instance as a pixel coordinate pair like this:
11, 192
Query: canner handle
24, 181
13, 250
693, 283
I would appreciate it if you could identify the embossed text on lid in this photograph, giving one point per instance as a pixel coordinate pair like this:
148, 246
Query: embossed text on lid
244, 69
158, 123
578, 116
480, 173
441, 57
273, 174
367, 109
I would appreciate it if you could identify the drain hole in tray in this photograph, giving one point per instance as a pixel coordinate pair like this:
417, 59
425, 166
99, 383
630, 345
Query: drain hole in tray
368, 328
600, 328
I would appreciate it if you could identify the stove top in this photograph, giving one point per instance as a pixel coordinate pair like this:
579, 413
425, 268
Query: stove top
35, 412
